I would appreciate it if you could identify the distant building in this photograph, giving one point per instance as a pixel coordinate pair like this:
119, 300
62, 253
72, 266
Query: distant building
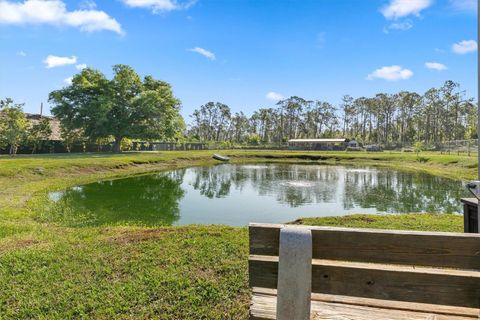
34, 118
319, 144
54, 124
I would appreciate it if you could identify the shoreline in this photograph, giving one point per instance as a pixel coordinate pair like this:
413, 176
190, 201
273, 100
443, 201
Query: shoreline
180, 272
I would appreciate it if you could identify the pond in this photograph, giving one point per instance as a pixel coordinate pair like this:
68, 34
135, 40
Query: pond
238, 194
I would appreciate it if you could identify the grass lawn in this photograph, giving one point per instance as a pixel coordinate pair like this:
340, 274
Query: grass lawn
51, 271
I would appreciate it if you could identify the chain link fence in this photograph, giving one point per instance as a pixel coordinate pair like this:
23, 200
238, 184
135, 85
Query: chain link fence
470, 147
465, 147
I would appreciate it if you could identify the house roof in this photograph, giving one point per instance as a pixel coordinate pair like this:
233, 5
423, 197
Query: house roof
318, 140
34, 118
54, 124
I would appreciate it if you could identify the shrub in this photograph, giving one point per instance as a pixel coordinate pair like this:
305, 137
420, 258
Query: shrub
254, 139
422, 159
418, 147
225, 145
126, 144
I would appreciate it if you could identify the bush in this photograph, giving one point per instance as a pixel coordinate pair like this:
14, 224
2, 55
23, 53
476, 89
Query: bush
225, 145
126, 144
422, 159
418, 147
254, 139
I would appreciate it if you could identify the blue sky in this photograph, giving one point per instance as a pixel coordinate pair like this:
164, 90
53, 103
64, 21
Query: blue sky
246, 54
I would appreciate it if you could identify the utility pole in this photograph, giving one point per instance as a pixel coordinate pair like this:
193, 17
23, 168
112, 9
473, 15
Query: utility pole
41, 112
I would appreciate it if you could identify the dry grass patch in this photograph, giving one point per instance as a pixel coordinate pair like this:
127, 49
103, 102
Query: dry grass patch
17, 244
132, 236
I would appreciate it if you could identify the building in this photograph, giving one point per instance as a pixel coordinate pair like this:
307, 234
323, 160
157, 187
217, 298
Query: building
34, 118
319, 144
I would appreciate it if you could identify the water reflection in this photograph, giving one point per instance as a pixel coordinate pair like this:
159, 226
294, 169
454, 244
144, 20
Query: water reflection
146, 200
389, 191
239, 194
294, 185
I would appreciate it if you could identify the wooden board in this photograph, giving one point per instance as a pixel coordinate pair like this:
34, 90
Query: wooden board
437, 249
423, 285
263, 307
385, 304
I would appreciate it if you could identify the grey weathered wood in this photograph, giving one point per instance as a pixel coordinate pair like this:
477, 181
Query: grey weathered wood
294, 274
263, 308
375, 274
438, 249
384, 304
423, 285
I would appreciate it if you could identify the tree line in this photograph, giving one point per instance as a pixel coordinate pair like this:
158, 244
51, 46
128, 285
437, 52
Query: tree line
114, 111
16, 130
100, 110
391, 120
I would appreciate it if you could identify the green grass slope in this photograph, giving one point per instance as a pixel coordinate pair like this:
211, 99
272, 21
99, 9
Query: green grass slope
52, 271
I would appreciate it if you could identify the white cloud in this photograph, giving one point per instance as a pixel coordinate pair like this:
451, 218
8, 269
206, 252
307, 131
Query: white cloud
390, 73
402, 8
68, 80
160, 5
464, 5
274, 96
464, 46
402, 26
54, 12
207, 54
21, 53
56, 61
435, 66
81, 66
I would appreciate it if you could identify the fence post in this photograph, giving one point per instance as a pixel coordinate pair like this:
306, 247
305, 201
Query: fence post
294, 274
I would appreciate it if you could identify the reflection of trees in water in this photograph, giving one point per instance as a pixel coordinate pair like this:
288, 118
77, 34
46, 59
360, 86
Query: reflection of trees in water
320, 182
297, 185
154, 199
392, 191
213, 182
148, 199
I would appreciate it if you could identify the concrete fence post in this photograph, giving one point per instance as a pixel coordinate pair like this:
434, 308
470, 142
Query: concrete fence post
294, 274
